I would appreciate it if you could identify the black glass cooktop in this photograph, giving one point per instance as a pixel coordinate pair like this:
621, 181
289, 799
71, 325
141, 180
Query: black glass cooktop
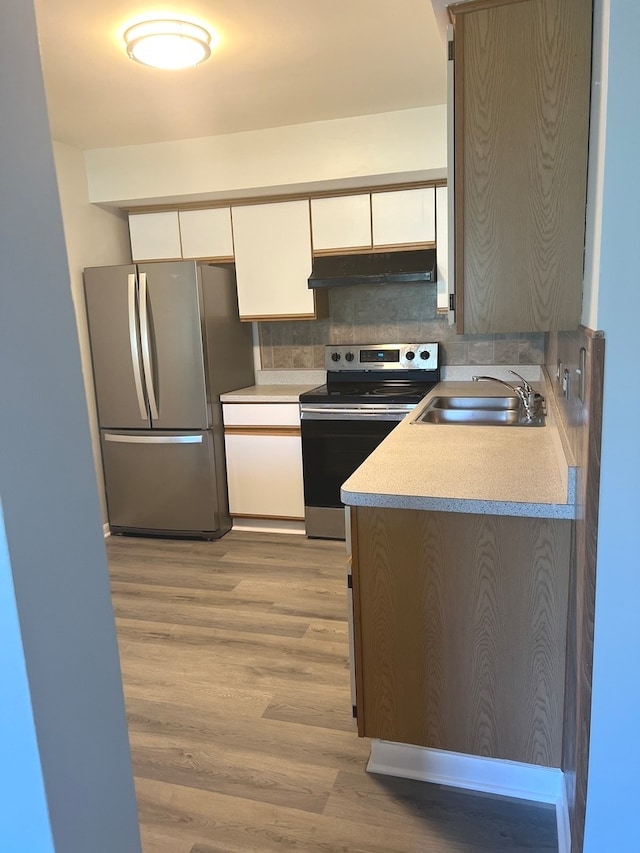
368, 392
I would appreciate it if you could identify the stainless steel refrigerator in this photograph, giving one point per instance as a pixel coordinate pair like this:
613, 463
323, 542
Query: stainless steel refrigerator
166, 341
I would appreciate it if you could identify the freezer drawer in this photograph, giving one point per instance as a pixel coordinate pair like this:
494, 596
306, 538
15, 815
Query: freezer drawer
163, 483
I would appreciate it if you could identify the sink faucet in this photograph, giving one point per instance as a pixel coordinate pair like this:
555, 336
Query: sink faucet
528, 397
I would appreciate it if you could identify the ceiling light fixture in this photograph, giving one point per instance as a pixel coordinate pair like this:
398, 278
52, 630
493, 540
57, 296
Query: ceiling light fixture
168, 44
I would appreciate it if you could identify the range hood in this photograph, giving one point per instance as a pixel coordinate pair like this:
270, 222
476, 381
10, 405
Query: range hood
374, 268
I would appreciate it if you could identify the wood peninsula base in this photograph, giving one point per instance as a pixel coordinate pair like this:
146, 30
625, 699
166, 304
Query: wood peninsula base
460, 630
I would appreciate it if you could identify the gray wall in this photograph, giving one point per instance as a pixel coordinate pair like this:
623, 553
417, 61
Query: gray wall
48, 490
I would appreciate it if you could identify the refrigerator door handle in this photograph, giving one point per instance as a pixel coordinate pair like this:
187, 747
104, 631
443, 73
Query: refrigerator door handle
133, 340
153, 439
146, 348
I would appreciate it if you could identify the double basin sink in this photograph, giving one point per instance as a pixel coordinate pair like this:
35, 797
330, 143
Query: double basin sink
481, 411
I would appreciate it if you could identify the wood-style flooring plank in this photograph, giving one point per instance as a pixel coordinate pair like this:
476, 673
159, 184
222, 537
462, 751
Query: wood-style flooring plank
189, 761
336, 750
330, 709
234, 657
219, 822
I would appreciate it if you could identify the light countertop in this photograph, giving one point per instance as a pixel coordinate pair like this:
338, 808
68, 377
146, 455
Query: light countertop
494, 470
266, 394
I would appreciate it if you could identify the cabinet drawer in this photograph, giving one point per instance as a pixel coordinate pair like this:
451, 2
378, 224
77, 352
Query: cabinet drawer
261, 414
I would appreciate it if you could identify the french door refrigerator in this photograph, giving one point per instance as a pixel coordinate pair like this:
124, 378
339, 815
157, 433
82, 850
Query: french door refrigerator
166, 341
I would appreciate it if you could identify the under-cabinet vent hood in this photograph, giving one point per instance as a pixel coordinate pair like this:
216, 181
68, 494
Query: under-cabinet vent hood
374, 268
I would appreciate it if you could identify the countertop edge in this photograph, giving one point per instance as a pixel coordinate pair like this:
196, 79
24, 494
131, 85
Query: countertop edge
465, 505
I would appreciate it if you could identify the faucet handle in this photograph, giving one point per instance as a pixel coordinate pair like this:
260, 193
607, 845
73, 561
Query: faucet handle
527, 388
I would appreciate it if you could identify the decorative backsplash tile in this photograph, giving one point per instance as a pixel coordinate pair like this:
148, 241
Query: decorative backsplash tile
398, 313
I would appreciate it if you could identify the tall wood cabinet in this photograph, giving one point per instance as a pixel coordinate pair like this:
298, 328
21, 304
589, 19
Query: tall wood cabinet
521, 95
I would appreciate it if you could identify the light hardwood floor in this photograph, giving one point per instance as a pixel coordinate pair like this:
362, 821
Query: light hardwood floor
236, 676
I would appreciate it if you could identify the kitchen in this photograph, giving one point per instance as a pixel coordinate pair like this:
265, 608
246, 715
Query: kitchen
10, 517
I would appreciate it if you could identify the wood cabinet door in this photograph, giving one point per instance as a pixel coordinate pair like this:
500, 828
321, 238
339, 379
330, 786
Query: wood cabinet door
155, 236
206, 233
343, 222
460, 631
521, 90
403, 217
273, 260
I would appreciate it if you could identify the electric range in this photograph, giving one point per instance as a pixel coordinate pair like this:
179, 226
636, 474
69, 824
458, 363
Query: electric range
369, 389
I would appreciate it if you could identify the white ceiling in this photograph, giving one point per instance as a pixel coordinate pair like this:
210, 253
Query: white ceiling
279, 62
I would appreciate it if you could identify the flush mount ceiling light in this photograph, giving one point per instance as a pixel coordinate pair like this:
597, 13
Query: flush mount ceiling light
168, 44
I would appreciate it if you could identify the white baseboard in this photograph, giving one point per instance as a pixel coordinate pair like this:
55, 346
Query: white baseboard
563, 822
508, 778
268, 525
106, 531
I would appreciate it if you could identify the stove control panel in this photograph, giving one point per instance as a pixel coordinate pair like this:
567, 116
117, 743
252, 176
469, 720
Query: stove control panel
382, 357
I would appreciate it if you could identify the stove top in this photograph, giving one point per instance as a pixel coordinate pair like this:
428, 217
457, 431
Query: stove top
377, 374
368, 393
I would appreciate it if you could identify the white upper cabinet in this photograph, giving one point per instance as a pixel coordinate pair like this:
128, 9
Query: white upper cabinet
404, 217
273, 260
445, 269
187, 234
155, 236
272, 243
206, 233
343, 222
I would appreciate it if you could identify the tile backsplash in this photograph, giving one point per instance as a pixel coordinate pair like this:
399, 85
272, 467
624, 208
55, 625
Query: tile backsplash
393, 313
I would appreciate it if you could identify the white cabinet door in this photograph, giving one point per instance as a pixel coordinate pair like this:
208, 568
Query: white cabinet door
443, 252
264, 475
404, 217
155, 236
343, 222
206, 233
273, 260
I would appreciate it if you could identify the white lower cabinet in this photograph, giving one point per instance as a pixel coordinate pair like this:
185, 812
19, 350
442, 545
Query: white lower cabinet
264, 460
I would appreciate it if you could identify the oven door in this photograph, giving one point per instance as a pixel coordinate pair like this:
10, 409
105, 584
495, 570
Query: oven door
335, 443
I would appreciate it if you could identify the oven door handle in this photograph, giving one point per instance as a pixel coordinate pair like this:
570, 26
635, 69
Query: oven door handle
326, 413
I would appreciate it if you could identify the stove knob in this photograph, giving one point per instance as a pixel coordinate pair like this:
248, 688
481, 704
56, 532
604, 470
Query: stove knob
335, 356
425, 354
349, 356
410, 355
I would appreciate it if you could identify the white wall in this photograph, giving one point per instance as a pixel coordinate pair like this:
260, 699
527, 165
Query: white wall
614, 786
384, 148
59, 587
93, 237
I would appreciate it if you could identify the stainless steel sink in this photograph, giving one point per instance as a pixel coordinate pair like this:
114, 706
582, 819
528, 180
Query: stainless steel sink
486, 404
481, 411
